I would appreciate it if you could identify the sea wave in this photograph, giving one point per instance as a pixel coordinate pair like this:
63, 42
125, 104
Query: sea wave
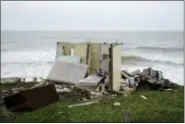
137, 59
173, 49
28, 63
28, 56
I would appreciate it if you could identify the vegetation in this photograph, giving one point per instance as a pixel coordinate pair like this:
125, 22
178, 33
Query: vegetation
161, 106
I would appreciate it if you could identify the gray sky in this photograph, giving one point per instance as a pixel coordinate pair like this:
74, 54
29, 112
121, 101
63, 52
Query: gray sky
92, 15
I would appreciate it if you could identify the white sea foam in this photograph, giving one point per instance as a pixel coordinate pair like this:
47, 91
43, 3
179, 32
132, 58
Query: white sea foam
31, 54
28, 56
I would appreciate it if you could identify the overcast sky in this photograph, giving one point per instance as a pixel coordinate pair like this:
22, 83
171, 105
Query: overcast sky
92, 15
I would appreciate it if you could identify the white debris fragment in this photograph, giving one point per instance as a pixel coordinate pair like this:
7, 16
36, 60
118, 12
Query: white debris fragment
117, 104
144, 97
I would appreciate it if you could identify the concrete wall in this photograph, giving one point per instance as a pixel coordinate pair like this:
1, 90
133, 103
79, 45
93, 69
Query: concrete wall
95, 56
115, 67
81, 50
90, 53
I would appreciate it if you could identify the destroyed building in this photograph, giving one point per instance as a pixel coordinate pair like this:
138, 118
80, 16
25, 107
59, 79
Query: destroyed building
91, 69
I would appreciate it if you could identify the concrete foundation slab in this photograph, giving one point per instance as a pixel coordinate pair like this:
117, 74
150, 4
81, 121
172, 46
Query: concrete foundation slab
67, 73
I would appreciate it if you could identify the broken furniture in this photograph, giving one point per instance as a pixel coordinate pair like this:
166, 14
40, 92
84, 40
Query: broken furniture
106, 57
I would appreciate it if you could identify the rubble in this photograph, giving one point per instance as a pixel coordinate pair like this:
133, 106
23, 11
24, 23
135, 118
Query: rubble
70, 75
91, 80
13, 80
117, 104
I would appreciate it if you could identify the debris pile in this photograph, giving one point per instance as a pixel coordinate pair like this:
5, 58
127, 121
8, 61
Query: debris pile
70, 76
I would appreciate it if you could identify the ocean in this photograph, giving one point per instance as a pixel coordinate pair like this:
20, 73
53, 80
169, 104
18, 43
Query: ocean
31, 53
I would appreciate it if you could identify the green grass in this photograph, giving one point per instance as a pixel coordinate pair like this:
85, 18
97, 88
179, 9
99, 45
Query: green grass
166, 106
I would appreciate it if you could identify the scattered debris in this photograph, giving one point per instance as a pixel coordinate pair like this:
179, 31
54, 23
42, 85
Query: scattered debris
63, 90
168, 89
91, 80
13, 80
117, 104
136, 72
82, 100
144, 97
59, 112
68, 75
